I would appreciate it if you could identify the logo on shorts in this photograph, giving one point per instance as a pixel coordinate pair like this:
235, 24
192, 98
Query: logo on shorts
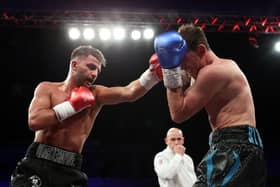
35, 181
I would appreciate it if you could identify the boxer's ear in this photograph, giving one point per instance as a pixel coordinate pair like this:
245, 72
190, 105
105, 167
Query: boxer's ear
73, 64
201, 49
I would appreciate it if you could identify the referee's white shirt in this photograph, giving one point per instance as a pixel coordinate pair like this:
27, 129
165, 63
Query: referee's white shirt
174, 170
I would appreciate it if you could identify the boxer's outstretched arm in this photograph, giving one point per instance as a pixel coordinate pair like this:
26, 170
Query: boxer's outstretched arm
134, 90
119, 94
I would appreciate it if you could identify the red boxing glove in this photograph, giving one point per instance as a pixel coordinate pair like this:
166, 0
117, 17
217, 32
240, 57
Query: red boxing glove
155, 66
152, 75
80, 99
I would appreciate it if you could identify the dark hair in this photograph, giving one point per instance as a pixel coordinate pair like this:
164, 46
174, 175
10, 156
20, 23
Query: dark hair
85, 50
193, 35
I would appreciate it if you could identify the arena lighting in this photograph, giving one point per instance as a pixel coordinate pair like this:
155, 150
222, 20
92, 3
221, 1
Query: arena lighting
221, 27
277, 46
107, 32
179, 20
196, 20
135, 35
247, 21
88, 34
203, 27
236, 27
253, 41
74, 33
269, 29
119, 33
264, 22
253, 28
104, 34
163, 20
214, 20
148, 33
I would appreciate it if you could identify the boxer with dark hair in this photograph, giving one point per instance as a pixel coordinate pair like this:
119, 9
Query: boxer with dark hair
62, 115
236, 156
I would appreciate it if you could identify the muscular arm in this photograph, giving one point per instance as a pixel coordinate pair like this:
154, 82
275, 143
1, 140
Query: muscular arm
184, 104
115, 95
135, 89
40, 113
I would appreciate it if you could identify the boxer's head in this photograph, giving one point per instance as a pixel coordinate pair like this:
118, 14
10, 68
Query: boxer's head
86, 50
198, 46
194, 36
86, 62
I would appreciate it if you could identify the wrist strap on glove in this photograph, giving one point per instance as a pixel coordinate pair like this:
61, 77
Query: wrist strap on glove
148, 79
64, 110
172, 78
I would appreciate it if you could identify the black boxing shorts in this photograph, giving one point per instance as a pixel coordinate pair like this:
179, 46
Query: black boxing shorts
48, 166
235, 159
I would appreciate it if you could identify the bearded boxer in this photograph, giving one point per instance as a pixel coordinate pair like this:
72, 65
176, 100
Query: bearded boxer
235, 157
62, 115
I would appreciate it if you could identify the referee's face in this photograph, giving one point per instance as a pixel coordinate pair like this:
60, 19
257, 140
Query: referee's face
174, 138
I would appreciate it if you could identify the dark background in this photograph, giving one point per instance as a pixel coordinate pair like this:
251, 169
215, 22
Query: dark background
235, 7
126, 137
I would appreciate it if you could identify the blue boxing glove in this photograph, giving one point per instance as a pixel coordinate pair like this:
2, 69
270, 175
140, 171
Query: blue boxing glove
171, 48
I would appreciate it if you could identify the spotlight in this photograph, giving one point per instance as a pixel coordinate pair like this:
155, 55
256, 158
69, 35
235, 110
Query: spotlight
253, 42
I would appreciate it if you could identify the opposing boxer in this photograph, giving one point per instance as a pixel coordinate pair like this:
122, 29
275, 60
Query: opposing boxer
62, 115
235, 157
